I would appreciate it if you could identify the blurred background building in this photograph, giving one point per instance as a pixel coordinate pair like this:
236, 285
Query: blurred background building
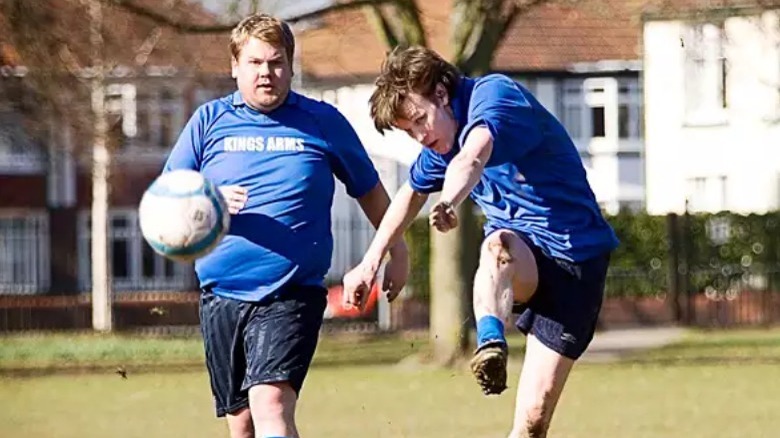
673, 106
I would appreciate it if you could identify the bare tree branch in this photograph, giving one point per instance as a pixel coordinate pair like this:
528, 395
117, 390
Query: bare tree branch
490, 20
190, 27
382, 25
411, 26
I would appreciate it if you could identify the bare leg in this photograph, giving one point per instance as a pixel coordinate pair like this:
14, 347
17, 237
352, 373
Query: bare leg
273, 410
542, 380
506, 274
240, 424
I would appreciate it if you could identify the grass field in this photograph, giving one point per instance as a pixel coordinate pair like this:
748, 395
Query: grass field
712, 384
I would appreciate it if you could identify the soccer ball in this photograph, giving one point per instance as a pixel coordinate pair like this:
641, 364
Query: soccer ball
182, 215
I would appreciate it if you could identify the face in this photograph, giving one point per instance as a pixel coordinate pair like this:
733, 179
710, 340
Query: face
430, 121
263, 74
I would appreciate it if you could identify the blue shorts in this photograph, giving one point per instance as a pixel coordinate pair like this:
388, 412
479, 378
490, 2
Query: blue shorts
564, 311
251, 343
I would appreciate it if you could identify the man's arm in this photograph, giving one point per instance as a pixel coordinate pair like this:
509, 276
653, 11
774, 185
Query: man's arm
390, 219
374, 203
466, 168
397, 217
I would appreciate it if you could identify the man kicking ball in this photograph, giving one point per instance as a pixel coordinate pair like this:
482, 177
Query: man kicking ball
546, 247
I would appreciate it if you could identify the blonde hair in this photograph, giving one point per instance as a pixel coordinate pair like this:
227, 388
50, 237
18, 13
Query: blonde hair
265, 28
414, 69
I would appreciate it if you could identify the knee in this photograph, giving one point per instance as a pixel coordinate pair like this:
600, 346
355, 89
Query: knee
271, 401
495, 252
240, 424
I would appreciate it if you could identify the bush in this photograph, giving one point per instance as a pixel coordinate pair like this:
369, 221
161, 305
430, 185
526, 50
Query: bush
718, 246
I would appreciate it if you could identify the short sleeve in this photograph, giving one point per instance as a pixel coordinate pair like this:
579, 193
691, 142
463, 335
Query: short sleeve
348, 157
500, 104
427, 172
187, 153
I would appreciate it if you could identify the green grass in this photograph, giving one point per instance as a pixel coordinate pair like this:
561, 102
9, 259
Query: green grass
691, 389
703, 346
41, 352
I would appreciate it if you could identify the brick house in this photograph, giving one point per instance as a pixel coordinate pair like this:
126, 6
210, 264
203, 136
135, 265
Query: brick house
582, 62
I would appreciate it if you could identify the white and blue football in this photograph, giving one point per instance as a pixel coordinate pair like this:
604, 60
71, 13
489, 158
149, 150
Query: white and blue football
182, 215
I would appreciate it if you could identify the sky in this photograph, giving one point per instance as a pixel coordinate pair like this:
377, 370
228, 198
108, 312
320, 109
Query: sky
281, 8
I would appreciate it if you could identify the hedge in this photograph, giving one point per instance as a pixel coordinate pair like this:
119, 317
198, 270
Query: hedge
718, 248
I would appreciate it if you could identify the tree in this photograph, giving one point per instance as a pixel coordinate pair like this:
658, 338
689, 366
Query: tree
68, 47
60, 85
102, 309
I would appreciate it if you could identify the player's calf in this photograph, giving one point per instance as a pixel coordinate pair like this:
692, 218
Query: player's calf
493, 297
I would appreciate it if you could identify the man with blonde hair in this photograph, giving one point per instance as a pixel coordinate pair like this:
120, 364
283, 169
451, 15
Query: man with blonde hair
273, 153
546, 247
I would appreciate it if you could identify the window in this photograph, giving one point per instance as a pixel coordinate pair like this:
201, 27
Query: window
598, 128
591, 108
24, 254
171, 119
145, 117
707, 194
134, 265
573, 108
706, 71
629, 108
19, 152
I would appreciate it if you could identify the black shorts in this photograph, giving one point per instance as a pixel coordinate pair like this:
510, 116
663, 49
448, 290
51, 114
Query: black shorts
251, 343
564, 311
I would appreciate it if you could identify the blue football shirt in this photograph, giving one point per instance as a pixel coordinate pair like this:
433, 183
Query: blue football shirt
286, 159
534, 181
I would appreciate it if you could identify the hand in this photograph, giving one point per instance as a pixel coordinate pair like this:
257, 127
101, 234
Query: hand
443, 216
396, 271
357, 286
235, 197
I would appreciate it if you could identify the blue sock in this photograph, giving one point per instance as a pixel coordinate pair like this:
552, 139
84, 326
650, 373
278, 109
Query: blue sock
489, 328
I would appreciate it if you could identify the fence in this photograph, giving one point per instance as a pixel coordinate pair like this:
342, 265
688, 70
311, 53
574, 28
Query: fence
149, 290
716, 270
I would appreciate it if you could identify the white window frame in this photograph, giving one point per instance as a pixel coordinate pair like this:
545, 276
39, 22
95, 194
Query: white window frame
128, 100
706, 74
24, 252
182, 278
121, 100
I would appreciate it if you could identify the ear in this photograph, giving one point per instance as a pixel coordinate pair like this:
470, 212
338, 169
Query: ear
233, 67
442, 97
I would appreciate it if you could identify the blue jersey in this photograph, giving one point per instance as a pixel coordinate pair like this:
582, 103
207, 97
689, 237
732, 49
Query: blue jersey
286, 160
534, 181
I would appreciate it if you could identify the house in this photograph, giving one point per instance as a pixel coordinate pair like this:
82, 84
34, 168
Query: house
712, 83
155, 79
581, 60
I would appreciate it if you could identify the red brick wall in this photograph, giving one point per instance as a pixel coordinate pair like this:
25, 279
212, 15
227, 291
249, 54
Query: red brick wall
22, 191
128, 184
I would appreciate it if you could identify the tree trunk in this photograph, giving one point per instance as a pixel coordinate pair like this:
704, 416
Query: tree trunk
102, 318
452, 273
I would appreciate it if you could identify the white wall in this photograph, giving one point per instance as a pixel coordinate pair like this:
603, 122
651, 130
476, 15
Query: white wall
723, 160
